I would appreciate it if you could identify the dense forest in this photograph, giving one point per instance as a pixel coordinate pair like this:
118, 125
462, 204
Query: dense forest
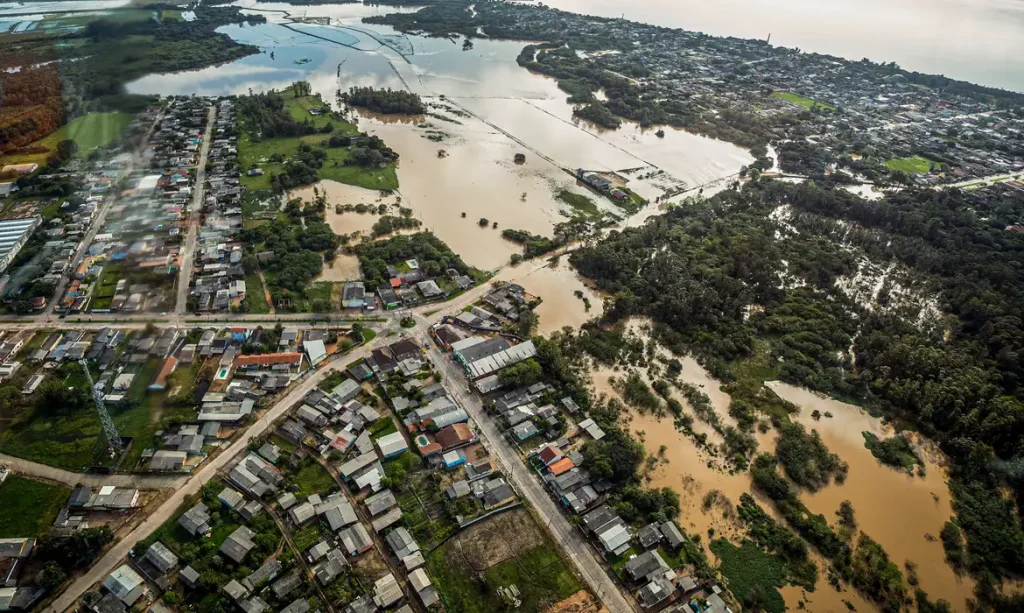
266, 117
759, 270
298, 247
385, 100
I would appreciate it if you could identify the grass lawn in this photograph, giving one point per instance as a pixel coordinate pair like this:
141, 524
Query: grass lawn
751, 570
911, 165
29, 507
254, 295
308, 536
69, 440
89, 131
807, 103
313, 478
320, 291
581, 204
258, 152
382, 427
106, 284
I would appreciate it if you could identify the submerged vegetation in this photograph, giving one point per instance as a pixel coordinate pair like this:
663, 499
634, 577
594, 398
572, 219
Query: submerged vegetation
896, 451
697, 271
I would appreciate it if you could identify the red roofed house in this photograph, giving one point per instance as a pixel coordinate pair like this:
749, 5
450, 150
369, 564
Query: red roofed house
160, 383
455, 435
550, 454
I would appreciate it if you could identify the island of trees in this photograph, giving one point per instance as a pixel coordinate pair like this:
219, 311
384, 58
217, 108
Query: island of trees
389, 101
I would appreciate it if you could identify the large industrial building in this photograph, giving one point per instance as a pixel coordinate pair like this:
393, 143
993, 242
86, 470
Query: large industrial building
14, 233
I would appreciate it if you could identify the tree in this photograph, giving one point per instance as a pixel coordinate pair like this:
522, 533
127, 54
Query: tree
521, 374
51, 576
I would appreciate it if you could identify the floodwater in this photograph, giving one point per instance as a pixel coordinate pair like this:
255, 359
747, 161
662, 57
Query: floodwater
975, 40
346, 267
903, 513
557, 284
59, 6
487, 108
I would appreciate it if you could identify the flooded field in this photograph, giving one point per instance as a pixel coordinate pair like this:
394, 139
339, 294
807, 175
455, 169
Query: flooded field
487, 108
902, 512
346, 267
557, 285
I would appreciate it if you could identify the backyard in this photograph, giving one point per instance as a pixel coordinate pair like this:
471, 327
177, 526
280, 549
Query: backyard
29, 507
505, 550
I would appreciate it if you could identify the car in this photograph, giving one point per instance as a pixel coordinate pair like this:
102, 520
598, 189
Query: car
164, 314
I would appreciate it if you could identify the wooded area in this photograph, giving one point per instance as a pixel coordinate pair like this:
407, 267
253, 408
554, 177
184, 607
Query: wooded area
955, 374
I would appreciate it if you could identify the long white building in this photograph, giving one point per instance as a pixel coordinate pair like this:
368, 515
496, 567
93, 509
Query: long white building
14, 233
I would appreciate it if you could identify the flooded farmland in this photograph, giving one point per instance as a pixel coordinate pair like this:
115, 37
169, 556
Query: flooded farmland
485, 109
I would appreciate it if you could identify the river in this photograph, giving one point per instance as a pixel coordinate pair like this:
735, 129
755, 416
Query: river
975, 40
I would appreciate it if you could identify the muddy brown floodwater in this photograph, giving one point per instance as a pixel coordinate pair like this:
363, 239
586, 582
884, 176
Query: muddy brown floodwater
346, 267
903, 513
557, 284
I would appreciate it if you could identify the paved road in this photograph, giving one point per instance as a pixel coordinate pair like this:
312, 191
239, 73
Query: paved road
198, 190
116, 554
98, 219
142, 482
571, 541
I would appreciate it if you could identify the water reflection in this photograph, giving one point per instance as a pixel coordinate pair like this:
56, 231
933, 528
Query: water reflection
977, 41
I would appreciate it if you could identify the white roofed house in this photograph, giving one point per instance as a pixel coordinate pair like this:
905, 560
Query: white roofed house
424, 588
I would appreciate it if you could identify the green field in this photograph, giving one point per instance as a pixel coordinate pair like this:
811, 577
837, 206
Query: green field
541, 575
312, 478
798, 100
752, 573
258, 152
74, 440
254, 295
911, 165
581, 204
29, 507
89, 131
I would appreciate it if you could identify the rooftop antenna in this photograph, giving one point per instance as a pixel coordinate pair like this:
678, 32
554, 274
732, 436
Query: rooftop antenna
113, 438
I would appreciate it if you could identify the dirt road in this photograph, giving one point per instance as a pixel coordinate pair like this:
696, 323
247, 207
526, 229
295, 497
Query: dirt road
116, 554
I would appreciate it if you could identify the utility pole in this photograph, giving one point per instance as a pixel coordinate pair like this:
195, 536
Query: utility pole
113, 438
